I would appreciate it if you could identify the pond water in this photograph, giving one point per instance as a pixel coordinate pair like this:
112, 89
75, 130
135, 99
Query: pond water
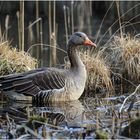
70, 120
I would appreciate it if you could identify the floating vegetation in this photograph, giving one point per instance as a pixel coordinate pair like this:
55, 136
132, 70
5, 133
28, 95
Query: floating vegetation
13, 61
125, 56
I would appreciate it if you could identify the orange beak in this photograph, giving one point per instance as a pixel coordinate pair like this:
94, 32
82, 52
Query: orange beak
89, 42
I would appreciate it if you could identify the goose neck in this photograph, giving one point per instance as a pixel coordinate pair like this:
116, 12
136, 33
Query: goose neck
74, 57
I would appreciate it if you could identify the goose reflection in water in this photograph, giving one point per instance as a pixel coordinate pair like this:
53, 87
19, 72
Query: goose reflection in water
67, 113
72, 111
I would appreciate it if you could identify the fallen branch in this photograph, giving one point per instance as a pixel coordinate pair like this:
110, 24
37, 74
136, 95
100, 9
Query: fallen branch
128, 98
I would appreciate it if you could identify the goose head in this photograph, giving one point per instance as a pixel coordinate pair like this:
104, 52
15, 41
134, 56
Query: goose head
80, 38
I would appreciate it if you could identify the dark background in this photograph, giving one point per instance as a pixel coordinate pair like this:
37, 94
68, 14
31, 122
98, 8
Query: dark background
87, 17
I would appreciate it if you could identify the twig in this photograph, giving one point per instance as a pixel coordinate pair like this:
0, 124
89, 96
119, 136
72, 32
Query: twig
128, 98
36, 21
8, 119
23, 136
45, 45
49, 125
31, 131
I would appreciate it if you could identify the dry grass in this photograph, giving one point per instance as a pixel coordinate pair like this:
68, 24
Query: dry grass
98, 72
125, 56
13, 61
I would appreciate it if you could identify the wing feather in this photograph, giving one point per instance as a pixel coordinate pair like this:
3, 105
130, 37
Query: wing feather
34, 81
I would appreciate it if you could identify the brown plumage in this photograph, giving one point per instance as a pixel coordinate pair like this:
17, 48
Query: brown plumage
51, 84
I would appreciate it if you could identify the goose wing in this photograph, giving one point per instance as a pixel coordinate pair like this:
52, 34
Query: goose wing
32, 82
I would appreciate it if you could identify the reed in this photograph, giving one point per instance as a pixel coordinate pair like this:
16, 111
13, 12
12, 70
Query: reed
37, 30
125, 56
65, 21
52, 32
41, 41
6, 26
72, 17
21, 25
19, 35
30, 37
119, 17
123, 15
37, 23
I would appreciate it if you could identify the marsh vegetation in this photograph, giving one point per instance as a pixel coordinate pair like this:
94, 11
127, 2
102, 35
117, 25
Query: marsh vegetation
109, 106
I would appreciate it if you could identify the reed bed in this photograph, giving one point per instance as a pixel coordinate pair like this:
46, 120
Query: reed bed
14, 61
125, 56
98, 72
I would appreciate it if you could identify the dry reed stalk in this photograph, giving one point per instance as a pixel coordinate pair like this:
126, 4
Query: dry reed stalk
136, 5
50, 28
21, 24
88, 8
6, 26
41, 40
65, 20
37, 30
30, 36
119, 17
72, 18
37, 17
99, 30
68, 18
80, 14
52, 33
19, 35
54, 37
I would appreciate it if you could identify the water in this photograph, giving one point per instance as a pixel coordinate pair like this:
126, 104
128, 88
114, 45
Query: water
77, 119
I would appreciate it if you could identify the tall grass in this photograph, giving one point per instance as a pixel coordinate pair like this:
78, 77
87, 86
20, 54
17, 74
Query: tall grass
52, 32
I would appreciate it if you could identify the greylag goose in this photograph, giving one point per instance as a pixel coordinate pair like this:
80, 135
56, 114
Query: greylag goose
51, 84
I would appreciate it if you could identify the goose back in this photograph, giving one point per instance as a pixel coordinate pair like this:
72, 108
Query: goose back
35, 81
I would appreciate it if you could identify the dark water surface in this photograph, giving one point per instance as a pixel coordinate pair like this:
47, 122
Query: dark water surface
77, 119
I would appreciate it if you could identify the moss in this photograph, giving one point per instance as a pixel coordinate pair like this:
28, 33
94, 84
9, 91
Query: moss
132, 130
32, 121
100, 134
37, 118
